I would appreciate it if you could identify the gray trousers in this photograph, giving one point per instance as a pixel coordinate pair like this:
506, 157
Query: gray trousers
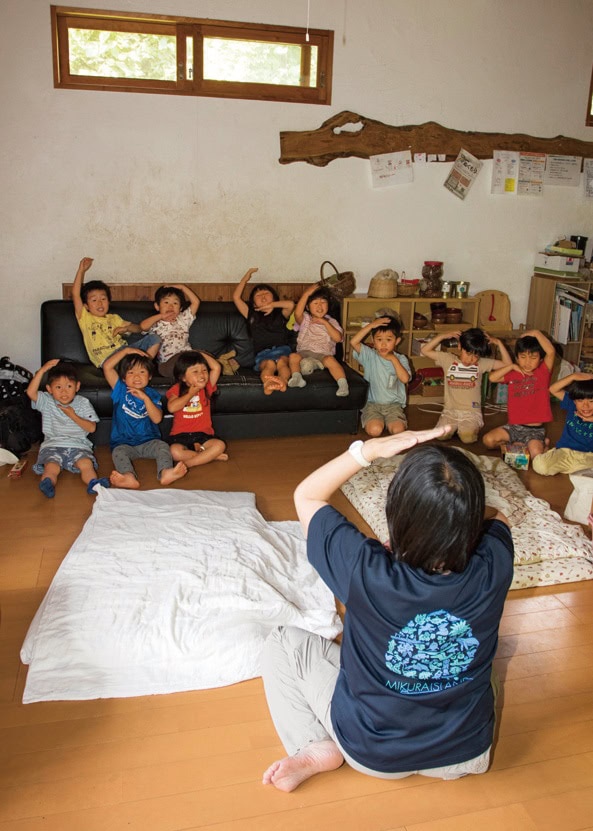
123, 455
300, 670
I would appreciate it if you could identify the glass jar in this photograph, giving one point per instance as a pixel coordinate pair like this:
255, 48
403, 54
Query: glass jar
432, 274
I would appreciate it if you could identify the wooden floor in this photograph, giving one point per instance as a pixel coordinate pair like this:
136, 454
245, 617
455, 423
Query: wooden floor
194, 760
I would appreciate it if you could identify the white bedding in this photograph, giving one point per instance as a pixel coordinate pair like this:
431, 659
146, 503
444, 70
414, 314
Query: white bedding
170, 590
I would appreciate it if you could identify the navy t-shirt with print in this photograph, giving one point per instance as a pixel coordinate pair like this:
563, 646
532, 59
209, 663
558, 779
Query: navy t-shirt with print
577, 434
413, 689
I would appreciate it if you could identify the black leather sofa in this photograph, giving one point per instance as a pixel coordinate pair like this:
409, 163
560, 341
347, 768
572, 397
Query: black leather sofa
240, 410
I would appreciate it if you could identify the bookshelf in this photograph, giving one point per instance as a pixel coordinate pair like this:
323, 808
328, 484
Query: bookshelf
561, 307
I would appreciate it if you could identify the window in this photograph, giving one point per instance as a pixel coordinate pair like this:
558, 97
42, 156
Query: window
188, 56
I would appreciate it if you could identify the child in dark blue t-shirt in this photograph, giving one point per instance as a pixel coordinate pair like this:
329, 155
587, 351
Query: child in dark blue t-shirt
574, 449
137, 412
411, 688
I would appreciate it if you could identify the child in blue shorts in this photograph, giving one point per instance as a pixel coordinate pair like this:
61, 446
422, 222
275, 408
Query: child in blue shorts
67, 420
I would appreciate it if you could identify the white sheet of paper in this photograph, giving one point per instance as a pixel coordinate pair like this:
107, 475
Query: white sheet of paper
392, 169
563, 170
588, 178
505, 171
532, 167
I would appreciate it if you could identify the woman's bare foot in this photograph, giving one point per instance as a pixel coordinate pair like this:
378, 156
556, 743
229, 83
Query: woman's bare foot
171, 474
288, 773
124, 480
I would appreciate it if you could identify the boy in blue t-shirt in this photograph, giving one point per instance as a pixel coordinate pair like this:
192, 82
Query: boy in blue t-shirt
137, 412
574, 449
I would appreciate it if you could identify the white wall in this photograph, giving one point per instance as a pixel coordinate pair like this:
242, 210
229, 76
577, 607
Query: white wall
161, 188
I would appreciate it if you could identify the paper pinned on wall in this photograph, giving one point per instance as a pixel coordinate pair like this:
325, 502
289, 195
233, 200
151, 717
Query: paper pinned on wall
505, 172
588, 178
563, 170
463, 174
392, 169
532, 168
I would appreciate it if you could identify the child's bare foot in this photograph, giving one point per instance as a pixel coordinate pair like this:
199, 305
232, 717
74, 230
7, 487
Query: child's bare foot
124, 480
273, 383
171, 474
288, 773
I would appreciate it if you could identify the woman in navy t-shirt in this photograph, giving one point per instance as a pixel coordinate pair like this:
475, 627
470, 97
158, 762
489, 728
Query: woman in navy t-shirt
409, 690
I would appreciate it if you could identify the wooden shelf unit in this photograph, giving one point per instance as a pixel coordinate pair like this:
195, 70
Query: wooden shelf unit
542, 304
364, 308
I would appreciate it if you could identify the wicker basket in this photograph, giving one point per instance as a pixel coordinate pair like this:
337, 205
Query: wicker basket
407, 289
341, 284
384, 284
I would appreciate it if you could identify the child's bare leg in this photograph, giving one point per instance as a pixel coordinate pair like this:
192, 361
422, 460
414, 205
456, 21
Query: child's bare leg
535, 447
212, 450
283, 371
171, 474
288, 773
336, 370
397, 426
374, 427
296, 379
494, 438
267, 373
87, 471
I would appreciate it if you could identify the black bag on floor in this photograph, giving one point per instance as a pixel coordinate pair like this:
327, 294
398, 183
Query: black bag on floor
20, 426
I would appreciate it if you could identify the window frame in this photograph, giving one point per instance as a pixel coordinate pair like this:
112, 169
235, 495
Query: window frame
63, 18
589, 118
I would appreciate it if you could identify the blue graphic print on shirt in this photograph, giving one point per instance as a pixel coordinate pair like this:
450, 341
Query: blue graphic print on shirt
435, 648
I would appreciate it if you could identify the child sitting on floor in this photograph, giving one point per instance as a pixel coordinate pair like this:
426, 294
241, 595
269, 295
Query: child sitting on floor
137, 412
192, 436
574, 449
176, 307
529, 407
102, 332
267, 315
462, 412
387, 372
67, 420
318, 334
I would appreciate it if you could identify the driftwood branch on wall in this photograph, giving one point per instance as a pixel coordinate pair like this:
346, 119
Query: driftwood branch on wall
349, 134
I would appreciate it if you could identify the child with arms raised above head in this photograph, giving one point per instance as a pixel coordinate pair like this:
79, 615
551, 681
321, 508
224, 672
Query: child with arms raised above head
67, 420
574, 449
266, 315
528, 406
102, 332
462, 412
411, 687
387, 372
137, 412
192, 436
176, 307
318, 334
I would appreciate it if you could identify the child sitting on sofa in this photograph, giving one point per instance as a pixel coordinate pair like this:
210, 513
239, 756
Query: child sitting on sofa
388, 373
462, 412
137, 412
318, 334
176, 307
67, 420
102, 332
574, 449
267, 316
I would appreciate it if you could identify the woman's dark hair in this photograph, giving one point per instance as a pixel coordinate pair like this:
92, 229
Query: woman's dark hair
94, 285
475, 342
166, 291
62, 370
529, 344
580, 390
132, 360
435, 509
261, 287
183, 363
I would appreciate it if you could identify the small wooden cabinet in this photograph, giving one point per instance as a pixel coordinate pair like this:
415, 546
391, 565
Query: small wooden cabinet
550, 299
358, 310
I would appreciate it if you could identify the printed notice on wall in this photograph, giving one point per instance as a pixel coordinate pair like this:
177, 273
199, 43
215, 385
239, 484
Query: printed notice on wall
532, 167
563, 170
588, 178
392, 169
463, 174
505, 172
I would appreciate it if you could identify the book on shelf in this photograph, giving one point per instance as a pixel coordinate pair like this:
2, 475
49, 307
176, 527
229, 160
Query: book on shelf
567, 315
